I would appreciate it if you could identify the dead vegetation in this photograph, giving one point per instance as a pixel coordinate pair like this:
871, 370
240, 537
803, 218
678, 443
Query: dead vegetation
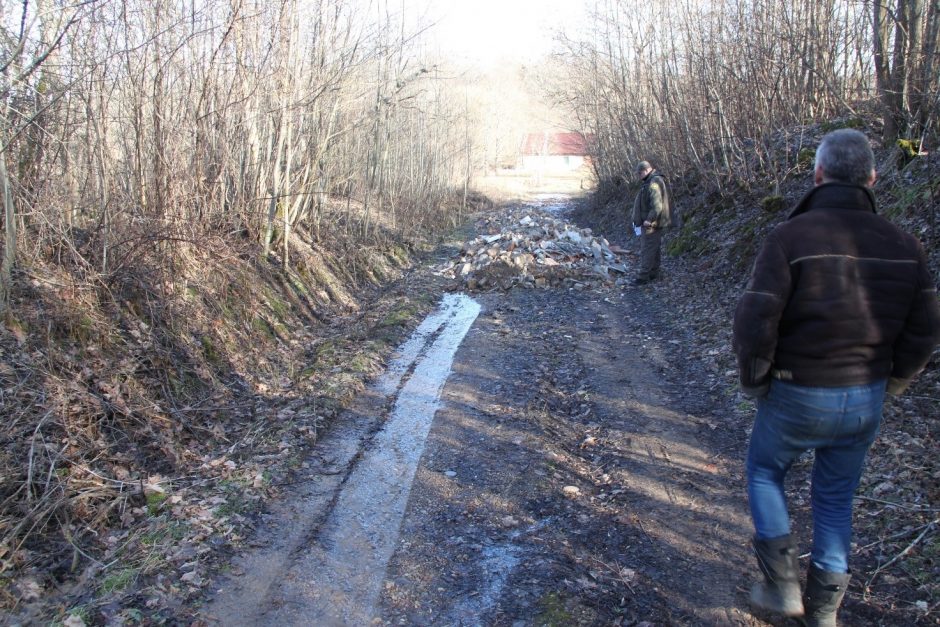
199, 206
147, 416
535, 250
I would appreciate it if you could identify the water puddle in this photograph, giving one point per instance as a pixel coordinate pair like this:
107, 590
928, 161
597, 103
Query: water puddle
337, 578
496, 565
408, 353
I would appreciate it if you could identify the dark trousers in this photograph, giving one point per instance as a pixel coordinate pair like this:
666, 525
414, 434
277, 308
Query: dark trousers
651, 245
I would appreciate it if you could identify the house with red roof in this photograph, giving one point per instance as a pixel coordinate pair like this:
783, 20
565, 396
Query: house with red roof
559, 152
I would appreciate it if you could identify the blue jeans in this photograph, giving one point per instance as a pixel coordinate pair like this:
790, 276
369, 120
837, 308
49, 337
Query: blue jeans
840, 424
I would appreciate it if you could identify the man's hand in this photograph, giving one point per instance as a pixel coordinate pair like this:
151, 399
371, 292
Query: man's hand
756, 391
897, 387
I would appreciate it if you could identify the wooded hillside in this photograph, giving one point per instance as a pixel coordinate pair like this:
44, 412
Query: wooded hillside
710, 87
134, 129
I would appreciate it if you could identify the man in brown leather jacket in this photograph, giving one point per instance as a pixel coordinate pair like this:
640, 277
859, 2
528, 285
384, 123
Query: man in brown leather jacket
839, 309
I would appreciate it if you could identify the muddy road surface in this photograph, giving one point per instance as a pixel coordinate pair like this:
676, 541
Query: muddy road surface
532, 457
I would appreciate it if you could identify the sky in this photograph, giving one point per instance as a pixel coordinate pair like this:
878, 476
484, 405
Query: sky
484, 31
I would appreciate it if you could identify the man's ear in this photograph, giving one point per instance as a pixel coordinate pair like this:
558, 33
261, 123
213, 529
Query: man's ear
872, 178
818, 175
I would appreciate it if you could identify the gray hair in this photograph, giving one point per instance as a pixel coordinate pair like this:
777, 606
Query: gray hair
846, 156
643, 166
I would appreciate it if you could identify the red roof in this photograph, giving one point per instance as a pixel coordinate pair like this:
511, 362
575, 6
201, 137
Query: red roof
555, 144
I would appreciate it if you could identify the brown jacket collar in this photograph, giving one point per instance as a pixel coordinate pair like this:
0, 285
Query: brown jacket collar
836, 196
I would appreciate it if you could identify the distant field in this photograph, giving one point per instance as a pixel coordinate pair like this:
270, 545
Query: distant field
519, 185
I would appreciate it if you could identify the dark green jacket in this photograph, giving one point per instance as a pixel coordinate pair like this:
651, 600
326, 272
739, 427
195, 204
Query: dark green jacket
652, 202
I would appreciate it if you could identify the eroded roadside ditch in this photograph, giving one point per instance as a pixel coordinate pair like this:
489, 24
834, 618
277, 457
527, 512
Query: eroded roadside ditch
330, 541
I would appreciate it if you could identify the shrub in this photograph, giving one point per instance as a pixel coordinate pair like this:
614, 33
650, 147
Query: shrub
806, 157
773, 203
910, 149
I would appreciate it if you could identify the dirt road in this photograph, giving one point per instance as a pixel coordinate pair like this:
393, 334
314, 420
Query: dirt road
577, 471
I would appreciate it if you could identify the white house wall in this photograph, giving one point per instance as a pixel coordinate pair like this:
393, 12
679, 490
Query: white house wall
552, 163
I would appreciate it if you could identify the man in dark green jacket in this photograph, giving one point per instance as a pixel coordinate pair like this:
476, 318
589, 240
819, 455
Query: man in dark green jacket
650, 216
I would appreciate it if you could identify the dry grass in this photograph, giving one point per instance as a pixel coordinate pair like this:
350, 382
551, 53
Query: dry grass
522, 186
119, 391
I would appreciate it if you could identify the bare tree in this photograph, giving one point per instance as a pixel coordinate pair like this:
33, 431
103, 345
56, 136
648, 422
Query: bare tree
170, 120
709, 85
905, 36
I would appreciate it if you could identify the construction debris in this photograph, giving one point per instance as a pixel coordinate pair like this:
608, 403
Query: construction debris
534, 251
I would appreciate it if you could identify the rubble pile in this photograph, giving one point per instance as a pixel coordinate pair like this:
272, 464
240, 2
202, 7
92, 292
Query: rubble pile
534, 251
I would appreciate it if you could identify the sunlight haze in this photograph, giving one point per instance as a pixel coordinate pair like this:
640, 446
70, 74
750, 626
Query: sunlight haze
485, 31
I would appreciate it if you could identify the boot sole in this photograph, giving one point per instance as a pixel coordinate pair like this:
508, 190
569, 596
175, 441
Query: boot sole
765, 600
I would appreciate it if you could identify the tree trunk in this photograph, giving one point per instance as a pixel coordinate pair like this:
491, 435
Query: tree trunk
9, 247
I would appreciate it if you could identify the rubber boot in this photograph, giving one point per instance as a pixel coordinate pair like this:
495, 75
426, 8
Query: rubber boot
824, 592
780, 591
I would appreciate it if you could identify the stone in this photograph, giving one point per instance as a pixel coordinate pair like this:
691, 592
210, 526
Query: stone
573, 236
522, 260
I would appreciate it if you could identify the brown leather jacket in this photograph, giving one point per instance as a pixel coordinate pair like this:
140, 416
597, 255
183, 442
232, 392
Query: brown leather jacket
838, 296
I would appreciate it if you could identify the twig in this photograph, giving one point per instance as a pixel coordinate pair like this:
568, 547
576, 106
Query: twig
899, 534
640, 525
32, 451
48, 281
903, 553
618, 571
910, 508
190, 410
78, 550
